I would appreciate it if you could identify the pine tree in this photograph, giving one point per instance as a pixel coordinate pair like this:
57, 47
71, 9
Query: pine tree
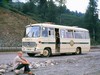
91, 18
61, 9
52, 11
43, 8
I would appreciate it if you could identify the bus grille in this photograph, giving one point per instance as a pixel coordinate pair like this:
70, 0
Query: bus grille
29, 44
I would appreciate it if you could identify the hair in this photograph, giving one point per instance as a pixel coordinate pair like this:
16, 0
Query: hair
19, 52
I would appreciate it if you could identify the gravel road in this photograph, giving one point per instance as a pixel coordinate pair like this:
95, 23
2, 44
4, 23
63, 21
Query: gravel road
85, 64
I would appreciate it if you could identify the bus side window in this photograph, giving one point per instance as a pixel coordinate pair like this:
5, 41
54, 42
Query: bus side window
62, 33
87, 35
78, 34
45, 32
51, 32
69, 33
83, 34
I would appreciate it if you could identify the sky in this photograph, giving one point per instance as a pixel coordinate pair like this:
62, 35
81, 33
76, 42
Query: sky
77, 5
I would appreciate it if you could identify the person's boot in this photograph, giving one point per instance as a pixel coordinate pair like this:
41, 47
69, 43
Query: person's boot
30, 73
16, 72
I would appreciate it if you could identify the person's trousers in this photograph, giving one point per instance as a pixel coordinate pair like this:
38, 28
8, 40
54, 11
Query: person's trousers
26, 67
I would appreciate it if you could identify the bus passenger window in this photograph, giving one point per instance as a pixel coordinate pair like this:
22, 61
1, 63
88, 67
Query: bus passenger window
45, 32
69, 33
62, 33
78, 34
87, 35
51, 32
83, 34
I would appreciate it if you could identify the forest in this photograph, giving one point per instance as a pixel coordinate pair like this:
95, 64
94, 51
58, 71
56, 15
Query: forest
56, 11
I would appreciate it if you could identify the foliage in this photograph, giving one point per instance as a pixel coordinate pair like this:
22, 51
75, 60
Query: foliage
91, 19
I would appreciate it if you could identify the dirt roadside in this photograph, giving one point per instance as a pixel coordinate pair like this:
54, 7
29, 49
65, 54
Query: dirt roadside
85, 64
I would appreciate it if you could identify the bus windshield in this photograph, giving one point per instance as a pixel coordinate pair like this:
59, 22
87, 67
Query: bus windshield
33, 31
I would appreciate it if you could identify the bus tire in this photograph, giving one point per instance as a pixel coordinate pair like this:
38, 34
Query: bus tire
46, 53
78, 51
30, 54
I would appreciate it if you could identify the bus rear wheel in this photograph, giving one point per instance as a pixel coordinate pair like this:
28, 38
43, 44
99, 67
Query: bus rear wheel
78, 51
46, 53
30, 54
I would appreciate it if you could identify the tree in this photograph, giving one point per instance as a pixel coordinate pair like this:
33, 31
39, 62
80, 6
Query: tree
43, 8
29, 7
61, 9
91, 18
61, 2
52, 11
5, 2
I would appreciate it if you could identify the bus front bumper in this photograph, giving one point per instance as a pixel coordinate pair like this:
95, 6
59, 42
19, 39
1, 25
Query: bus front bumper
32, 50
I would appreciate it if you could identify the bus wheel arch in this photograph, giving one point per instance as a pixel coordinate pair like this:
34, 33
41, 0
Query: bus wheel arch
47, 52
78, 50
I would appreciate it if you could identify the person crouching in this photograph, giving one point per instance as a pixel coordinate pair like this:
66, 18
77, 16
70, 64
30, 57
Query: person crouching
20, 62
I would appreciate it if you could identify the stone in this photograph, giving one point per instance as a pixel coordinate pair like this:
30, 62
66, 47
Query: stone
5, 68
2, 70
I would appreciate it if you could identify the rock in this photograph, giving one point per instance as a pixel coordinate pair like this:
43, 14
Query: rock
42, 64
37, 65
9, 69
48, 62
17, 71
51, 62
2, 70
71, 61
31, 66
10, 64
3, 66
1, 73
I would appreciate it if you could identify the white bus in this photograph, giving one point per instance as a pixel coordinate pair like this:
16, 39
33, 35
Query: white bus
47, 39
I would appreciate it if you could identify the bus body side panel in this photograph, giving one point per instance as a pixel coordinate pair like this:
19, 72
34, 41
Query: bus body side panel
63, 45
48, 42
70, 45
84, 44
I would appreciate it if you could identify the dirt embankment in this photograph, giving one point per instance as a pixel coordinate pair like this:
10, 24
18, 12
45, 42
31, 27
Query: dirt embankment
12, 27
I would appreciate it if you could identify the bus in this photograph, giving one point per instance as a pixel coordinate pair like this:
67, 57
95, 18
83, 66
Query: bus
46, 39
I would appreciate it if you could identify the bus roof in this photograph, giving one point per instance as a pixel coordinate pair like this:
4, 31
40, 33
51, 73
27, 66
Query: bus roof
58, 26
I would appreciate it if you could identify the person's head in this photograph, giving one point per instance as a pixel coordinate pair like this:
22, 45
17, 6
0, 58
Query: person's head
20, 53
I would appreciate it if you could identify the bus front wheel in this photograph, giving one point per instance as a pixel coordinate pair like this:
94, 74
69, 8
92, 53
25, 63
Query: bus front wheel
78, 51
46, 53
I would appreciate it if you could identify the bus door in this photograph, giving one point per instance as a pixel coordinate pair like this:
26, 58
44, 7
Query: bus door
57, 40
